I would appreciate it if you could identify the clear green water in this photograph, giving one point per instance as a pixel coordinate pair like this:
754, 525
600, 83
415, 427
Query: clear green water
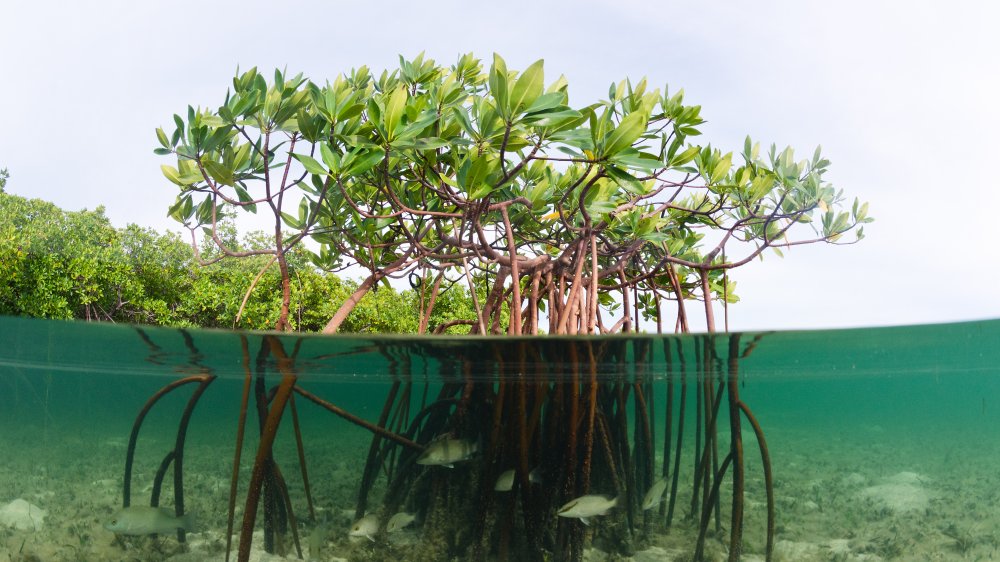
885, 443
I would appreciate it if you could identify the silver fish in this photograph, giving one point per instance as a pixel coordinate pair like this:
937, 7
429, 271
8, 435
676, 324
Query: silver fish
146, 520
367, 527
505, 482
446, 452
535, 476
398, 521
655, 494
585, 507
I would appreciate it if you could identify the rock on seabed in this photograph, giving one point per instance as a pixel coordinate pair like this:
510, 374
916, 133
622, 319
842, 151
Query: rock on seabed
22, 515
900, 493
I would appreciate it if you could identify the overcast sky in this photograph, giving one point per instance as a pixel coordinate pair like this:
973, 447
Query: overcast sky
904, 97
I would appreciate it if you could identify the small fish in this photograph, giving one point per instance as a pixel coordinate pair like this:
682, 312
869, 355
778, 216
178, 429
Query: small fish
505, 482
367, 526
535, 476
655, 494
146, 520
446, 452
585, 507
398, 521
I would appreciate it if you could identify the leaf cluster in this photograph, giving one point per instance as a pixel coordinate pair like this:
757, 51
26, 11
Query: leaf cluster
428, 166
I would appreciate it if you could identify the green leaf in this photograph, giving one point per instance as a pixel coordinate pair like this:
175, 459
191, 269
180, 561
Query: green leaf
172, 174
759, 187
449, 181
291, 221
356, 140
461, 115
181, 209
416, 127
570, 151
217, 137
498, 85
241, 157
374, 111
204, 212
394, 111
483, 190
430, 143
625, 179
219, 173
309, 129
577, 138
551, 118
546, 102
245, 198
538, 193
721, 168
350, 111
310, 164
189, 172
305, 206
162, 137
330, 158
626, 133
656, 236
366, 161
472, 176
601, 207
527, 88
634, 159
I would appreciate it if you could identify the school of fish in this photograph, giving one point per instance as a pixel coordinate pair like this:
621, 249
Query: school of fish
145, 520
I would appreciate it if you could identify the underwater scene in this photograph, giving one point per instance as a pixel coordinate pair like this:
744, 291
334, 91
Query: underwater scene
128, 443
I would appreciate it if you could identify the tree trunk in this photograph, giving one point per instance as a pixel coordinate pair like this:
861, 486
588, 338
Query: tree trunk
345, 309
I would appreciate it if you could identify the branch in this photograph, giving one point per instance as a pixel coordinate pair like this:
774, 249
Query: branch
352, 301
253, 285
441, 328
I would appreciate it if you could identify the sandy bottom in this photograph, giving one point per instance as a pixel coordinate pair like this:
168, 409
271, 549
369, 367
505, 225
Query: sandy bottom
858, 495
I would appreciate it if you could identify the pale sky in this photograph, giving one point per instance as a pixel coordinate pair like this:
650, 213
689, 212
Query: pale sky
904, 97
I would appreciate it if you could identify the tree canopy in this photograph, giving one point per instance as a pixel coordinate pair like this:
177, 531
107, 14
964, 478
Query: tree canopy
76, 264
72, 264
591, 214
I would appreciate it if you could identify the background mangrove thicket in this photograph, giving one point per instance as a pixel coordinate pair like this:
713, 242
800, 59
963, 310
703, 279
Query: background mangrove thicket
77, 265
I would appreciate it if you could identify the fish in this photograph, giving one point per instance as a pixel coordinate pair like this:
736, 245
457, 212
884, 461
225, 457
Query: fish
147, 520
367, 527
398, 521
505, 482
447, 451
535, 476
655, 494
585, 507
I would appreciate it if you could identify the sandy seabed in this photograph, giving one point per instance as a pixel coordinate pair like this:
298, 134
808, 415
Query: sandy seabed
864, 494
